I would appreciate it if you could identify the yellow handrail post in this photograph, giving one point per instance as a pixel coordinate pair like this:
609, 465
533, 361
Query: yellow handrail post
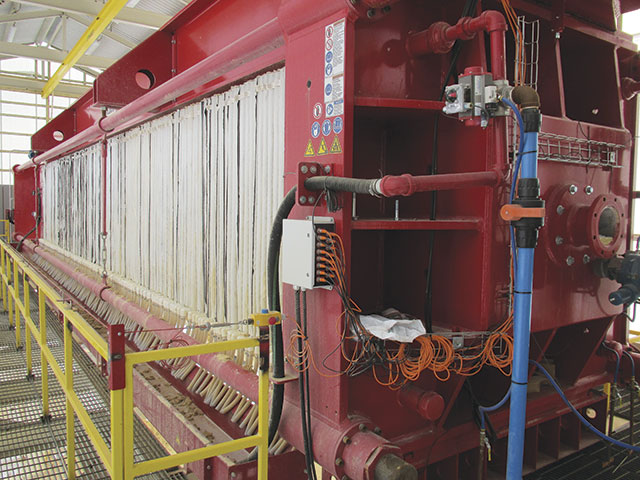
68, 387
263, 425
128, 420
44, 366
16, 311
4, 286
117, 386
27, 332
9, 292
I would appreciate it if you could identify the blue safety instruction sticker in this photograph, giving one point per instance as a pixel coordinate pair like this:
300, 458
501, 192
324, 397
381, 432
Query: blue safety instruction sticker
333, 61
315, 130
337, 125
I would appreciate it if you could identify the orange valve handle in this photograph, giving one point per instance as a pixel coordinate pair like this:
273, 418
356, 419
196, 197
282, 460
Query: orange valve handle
513, 212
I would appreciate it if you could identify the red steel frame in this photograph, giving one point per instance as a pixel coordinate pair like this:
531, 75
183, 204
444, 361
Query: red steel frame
390, 102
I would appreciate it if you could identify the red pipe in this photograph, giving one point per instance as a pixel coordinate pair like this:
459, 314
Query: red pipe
440, 37
406, 184
262, 40
229, 372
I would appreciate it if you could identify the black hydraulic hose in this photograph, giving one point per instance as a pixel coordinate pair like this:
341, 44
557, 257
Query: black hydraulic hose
306, 434
275, 332
38, 217
341, 184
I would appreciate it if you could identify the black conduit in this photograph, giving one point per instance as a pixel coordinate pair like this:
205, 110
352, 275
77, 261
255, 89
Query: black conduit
342, 184
275, 332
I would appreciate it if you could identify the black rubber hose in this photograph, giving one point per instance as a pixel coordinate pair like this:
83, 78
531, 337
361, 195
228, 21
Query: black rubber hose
342, 184
306, 434
275, 332
38, 217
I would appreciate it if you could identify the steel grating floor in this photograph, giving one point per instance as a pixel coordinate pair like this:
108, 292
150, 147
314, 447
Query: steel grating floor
600, 461
31, 449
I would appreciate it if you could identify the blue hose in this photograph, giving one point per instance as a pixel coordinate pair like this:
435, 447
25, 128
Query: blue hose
633, 365
527, 168
492, 408
615, 374
585, 422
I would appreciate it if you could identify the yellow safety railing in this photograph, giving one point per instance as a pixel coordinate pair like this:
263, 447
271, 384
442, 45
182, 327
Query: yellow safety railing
118, 460
5, 230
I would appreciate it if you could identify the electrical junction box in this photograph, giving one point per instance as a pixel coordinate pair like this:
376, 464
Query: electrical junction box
299, 250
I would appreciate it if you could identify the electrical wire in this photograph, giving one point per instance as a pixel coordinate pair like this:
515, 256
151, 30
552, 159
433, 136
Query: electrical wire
584, 421
393, 364
617, 370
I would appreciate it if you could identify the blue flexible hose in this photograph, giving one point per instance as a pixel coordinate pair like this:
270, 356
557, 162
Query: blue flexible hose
585, 422
492, 408
615, 374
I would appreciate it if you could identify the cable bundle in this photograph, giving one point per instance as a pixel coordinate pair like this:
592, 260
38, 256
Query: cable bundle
400, 362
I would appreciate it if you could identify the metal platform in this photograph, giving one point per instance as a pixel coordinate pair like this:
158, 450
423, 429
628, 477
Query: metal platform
600, 461
33, 449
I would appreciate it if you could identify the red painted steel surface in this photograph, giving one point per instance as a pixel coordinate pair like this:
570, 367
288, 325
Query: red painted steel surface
391, 101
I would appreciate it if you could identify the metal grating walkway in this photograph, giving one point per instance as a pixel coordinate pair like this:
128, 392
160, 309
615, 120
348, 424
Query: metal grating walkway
599, 461
31, 449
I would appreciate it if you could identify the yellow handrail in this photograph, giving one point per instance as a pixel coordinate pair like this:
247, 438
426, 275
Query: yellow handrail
118, 460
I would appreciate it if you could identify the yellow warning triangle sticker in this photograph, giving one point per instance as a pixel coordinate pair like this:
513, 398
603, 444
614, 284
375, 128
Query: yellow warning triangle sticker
335, 146
322, 149
309, 151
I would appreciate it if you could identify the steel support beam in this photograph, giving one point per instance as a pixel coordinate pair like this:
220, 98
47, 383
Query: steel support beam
31, 85
32, 15
102, 21
133, 16
82, 20
43, 53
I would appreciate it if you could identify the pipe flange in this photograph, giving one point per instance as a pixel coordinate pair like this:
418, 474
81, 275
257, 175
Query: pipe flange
606, 225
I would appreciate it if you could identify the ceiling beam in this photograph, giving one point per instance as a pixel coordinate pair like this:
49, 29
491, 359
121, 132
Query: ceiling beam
133, 16
107, 33
102, 21
31, 85
31, 15
44, 53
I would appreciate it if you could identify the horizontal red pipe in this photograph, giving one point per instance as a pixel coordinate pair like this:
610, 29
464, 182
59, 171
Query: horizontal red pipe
266, 38
440, 37
242, 380
405, 185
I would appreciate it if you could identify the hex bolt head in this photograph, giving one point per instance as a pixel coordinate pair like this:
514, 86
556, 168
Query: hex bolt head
570, 260
304, 169
588, 189
233, 475
560, 210
586, 259
559, 240
344, 477
327, 169
573, 189
346, 440
339, 461
312, 199
377, 431
313, 169
303, 200
362, 427
371, 12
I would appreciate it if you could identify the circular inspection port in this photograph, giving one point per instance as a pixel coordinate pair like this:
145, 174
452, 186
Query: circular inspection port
606, 225
58, 136
145, 79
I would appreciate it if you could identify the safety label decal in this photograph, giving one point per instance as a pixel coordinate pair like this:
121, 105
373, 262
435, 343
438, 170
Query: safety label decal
335, 146
309, 151
315, 130
322, 149
334, 46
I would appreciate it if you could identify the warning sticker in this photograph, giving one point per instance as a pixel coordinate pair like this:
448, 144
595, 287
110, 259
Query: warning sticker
309, 151
335, 146
322, 149
334, 47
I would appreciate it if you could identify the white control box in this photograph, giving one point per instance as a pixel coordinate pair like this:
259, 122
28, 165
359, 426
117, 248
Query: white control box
299, 250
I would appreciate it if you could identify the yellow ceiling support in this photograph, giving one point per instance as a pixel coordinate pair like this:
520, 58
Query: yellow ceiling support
102, 21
